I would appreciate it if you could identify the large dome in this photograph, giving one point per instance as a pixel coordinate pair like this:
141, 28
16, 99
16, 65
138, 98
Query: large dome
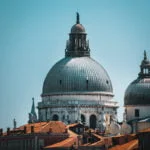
77, 81
138, 92
77, 74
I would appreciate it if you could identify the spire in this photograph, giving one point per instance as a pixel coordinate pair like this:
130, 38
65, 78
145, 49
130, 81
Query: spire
78, 18
145, 55
32, 114
33, 107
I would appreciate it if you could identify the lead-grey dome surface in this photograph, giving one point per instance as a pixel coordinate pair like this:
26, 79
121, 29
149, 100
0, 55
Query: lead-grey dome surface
77, 28
77, 74
138, 92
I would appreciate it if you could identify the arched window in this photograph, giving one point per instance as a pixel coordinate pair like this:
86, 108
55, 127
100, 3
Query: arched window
137, 112
93, 121
82, 118
63, 117
55, 117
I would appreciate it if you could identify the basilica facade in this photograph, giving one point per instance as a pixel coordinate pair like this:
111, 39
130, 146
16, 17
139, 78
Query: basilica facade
77, 88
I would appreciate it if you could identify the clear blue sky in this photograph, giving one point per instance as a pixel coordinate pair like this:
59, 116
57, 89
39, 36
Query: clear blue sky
33, 35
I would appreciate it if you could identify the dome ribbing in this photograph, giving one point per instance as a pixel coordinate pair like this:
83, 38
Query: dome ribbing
80, 74
138, 92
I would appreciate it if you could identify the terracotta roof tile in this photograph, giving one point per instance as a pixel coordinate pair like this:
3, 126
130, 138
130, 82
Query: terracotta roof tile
127, 146
44, 127
72, 125
65, 143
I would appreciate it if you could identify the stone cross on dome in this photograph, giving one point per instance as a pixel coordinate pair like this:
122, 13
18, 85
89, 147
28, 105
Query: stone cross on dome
145, 55
145, 60
78, 18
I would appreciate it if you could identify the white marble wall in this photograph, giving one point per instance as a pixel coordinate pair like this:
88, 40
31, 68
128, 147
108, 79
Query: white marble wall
79, 96
75, 105
75, 114
144, 111
143, 125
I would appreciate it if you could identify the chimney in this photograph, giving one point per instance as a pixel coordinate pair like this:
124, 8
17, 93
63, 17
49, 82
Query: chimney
8, 131
32, 129
1, 132
25, 129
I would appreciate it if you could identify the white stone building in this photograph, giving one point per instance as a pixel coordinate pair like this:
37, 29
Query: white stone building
77, 88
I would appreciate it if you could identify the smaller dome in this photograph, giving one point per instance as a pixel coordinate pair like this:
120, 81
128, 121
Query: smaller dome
145, 63
138, 92
77, 28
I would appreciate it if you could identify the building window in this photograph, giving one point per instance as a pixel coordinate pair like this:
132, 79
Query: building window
137, 112
87, 82
82, 118
60, 82
55, 117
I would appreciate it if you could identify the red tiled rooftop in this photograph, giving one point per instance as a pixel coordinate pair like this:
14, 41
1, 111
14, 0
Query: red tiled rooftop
44, 127
72, 125
65, 143
100, 142
127, 146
